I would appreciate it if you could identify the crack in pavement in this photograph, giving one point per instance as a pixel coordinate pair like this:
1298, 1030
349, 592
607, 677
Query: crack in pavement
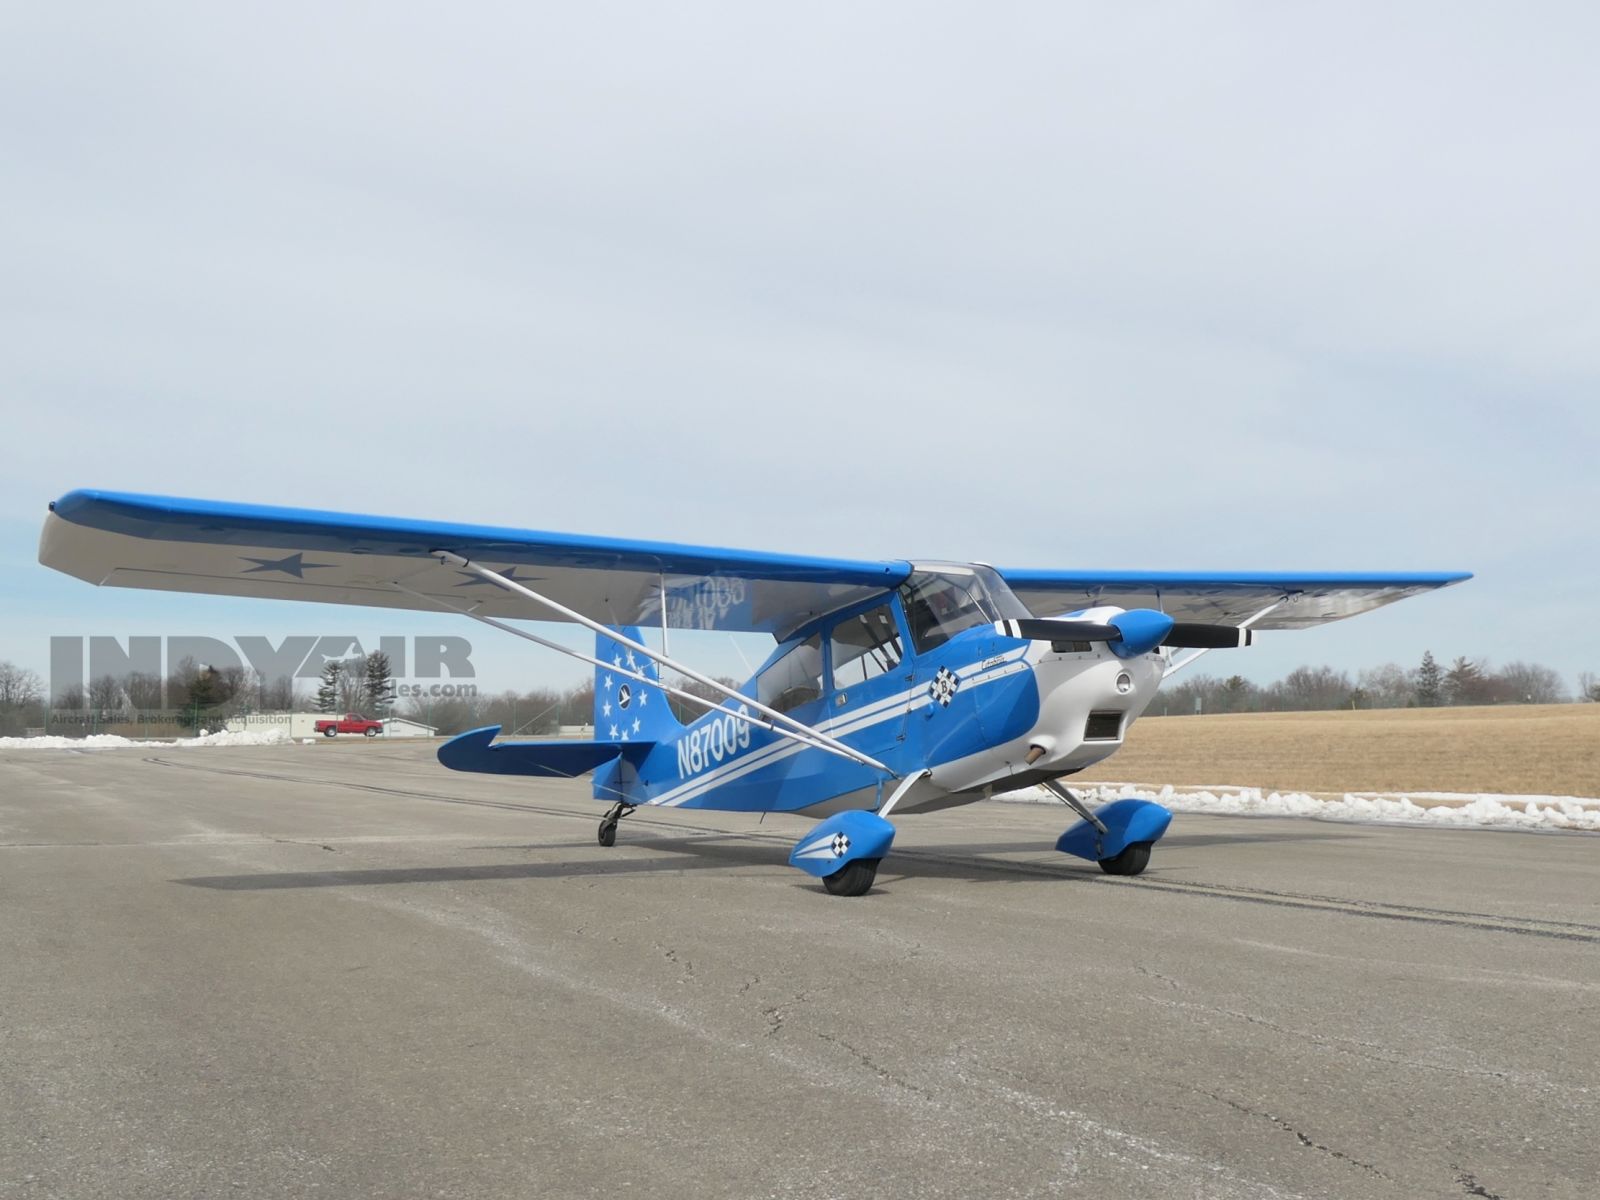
1308, 1142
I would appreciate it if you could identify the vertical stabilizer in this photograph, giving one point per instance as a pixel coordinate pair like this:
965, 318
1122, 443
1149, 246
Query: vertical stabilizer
626, 710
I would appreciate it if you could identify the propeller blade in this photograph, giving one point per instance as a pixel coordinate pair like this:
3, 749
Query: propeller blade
1192, 635
1039, 629
1184, 635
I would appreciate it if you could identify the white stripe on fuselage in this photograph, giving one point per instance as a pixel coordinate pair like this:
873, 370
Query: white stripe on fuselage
902, 703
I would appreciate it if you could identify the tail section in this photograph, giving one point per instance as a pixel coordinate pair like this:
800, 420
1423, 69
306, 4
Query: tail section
626, 710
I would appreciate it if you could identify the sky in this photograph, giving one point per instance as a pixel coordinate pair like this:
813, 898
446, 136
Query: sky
1164, 286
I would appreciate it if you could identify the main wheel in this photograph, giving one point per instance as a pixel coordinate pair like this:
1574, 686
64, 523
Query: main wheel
853, 879
1131, 861
608, 833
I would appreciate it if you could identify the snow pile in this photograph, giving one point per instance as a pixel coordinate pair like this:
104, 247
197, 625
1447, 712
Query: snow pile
1459, 810
111, 741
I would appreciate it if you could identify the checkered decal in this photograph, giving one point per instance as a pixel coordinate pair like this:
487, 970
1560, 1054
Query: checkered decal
841, 845
943, 688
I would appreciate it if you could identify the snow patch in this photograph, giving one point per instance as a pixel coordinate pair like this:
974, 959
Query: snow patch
111, 741
1454, 809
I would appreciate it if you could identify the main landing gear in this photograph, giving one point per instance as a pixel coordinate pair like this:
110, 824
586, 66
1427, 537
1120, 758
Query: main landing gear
1130, 862
853, 879
1118, 837
608, 823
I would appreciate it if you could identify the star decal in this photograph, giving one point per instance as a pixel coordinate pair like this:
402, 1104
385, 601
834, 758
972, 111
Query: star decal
294, 565
609, 681
510, 573
613, 733
605, 709
632, 661
636, 724
644, 698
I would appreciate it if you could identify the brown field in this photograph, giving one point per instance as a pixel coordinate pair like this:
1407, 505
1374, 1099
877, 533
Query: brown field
1551, 749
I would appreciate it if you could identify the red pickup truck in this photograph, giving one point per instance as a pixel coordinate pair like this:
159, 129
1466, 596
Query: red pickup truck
349, 723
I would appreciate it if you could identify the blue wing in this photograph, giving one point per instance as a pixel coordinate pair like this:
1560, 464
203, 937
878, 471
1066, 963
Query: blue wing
124, 540
1225, 598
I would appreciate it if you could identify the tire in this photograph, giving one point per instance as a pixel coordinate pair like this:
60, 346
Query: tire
608, 833
371, 732
330, 732
1131, 861
853, 879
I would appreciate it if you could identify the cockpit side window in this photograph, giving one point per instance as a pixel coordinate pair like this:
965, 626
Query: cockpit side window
793, 680
864, 647
940, 606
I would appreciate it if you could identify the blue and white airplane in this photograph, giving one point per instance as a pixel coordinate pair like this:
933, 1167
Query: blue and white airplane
894, 686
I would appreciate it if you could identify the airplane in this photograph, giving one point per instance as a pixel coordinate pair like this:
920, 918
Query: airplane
893, 687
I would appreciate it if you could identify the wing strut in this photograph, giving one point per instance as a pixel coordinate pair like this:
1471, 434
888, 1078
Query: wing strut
797, 730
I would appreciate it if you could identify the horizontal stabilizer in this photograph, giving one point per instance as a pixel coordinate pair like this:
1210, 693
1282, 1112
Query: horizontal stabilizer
563, 759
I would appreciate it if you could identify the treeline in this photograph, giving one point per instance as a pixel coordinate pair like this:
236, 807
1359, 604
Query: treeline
193, 694
1427, 685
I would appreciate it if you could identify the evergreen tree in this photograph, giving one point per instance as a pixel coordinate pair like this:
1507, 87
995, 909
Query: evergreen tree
380, 684
328, 693
1464, 683
1429, 682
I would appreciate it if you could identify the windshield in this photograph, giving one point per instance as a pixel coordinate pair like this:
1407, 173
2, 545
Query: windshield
939, 606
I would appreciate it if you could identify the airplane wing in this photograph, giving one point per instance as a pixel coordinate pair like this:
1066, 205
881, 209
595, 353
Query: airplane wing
1304, 599
124, 540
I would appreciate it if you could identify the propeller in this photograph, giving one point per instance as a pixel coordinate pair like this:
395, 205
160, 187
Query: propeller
1129, 634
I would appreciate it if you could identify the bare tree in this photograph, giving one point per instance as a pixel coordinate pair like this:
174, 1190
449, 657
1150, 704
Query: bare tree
105, 693
1589, 686
353, 684
1388, 686
1308, 688
144, 691
19, 687
1529, 683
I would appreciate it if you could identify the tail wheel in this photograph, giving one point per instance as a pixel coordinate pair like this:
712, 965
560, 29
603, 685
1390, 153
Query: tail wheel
853, 879
608, 833
1131, 861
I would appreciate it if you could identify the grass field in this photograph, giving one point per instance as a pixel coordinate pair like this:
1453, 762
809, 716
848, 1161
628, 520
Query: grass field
1549, 749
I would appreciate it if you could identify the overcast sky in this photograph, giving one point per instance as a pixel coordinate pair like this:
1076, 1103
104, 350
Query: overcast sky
1200, 286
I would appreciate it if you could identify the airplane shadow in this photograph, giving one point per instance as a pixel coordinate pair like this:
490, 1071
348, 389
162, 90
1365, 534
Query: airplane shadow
726, 852
687, 854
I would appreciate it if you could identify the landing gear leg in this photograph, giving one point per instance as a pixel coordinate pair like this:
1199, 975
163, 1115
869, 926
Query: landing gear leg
608, 823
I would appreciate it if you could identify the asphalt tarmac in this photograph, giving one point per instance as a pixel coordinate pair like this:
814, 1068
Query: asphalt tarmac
339, 970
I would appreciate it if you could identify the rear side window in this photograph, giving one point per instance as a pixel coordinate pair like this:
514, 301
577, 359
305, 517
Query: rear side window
864, 647
793, 680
